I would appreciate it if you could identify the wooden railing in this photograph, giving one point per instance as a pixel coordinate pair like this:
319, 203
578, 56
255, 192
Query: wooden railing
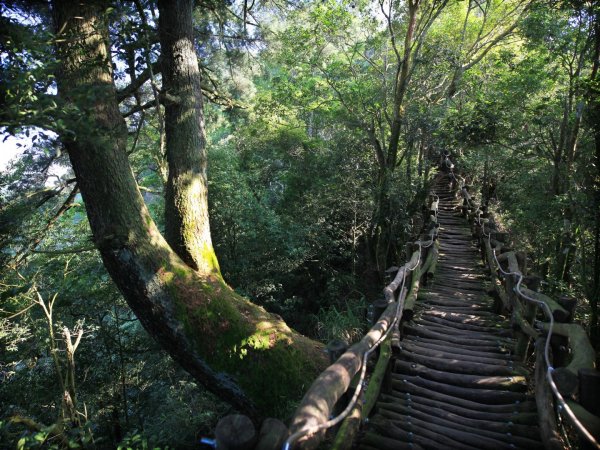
328, 394
341, 394
569, 389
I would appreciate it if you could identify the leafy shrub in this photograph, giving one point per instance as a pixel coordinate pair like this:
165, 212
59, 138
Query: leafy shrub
347, 323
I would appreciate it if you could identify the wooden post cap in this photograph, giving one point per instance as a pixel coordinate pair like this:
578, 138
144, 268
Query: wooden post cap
335, 349
235, 432
533, 282
273, 434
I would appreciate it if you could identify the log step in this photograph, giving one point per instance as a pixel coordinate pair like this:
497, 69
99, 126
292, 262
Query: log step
480, 395
504, 425
516, 383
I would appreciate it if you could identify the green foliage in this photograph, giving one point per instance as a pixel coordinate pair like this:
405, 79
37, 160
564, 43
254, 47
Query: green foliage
530, 144
294, 185
346, 322
137, 441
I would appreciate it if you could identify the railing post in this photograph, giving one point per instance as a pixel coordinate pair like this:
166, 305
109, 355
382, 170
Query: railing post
337, 347
235, 432
589, 398
569, 303
589, 390
524, 341
273, 434
545, 402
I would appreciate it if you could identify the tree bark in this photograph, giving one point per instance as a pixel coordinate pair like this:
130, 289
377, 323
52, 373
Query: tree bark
236, 349
594, 105
186, 208
401, 86
381, 230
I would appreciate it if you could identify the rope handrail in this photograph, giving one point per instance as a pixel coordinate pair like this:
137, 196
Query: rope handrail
550, 368
562, 404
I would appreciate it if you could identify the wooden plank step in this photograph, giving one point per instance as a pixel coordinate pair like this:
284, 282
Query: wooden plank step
454, 329
441, 429
455, 332
516, 383
411, 388
425, 437
455, 351
441, 289
479, 343
460, 366
515, 416
458, 283
470, 305
427, 316
503, 426
470, 435
473, 275
449, 296
463, 328
481, 395
465, 318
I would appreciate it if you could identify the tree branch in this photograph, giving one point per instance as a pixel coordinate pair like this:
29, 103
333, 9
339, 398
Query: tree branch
65, 251
64, 207
140, 80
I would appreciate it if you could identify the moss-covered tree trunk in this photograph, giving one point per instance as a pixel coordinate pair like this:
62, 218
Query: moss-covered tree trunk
186, 206
236, 349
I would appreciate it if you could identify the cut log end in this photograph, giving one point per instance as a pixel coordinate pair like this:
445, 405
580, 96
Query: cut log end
235, 432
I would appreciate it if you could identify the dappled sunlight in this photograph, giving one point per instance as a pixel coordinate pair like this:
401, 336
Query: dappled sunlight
328, 127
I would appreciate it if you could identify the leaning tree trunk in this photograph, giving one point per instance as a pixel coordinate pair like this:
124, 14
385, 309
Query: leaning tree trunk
220, 338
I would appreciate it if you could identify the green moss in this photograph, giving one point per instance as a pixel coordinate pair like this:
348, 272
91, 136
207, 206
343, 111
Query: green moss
262, 357
181, 272
208, 254
277, 379
260, 340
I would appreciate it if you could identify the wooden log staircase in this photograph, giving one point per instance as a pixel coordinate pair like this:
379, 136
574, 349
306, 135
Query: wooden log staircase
455, 382
453, 332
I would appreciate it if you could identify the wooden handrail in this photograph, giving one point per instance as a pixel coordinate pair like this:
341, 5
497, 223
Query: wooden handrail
318, 403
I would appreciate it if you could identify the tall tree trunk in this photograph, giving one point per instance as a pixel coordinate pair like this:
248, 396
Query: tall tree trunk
186, 207
382, 222
594, 105
401, 86
220, 338
421, 157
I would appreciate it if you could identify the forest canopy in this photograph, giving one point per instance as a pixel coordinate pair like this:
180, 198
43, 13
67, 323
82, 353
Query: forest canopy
202, 194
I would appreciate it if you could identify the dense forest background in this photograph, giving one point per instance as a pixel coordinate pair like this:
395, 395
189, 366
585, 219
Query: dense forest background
324, 123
